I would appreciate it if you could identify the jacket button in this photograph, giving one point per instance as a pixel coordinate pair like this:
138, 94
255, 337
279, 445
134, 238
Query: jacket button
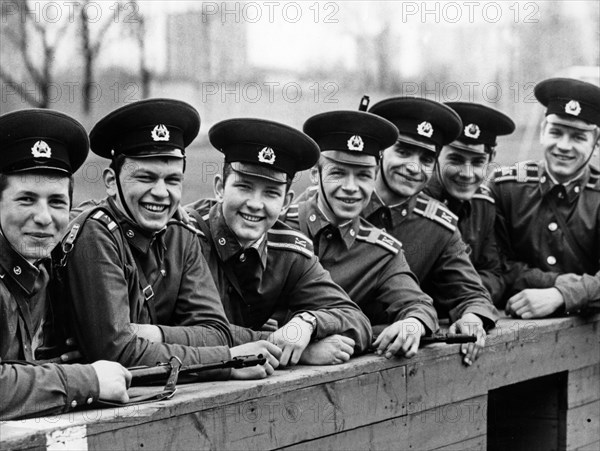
404, 212
312, 218
242, 257
352, 232
73, 404
551, 260
577, 189
130, 233
222, 241
543, 179
17, 270
89, 401
552, 226
329, 236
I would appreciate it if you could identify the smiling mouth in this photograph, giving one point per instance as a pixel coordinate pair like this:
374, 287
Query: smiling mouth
408, 178
348, 201
562, 157
40, 235
155, 208
251, 218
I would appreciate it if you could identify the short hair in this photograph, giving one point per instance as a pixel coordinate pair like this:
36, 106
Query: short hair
228, 170
4, 181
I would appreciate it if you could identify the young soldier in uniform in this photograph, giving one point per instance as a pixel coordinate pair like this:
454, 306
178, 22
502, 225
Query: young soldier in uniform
457, 182
261, 265
365, 261
40, 151
153, 296
428, 230
548, 219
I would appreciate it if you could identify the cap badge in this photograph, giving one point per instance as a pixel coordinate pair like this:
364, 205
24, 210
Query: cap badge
266, 155
160, 133
472, 131
355, 143
41, 150
573, 108
425, 129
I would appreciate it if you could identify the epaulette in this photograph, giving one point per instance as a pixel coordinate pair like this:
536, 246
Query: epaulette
103, 217
526, 171
192, 225
283, 237
484, 193
372, 234
76, 224
292, 212
594, 178
436, 211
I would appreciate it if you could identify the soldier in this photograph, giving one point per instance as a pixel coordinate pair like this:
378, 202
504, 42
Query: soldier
457, 182
428, 230
152, 295
40, 151
365, 261
548, 212
261, 265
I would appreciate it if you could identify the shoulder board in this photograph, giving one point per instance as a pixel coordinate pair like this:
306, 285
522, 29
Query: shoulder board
285, 238
372, 234
594, 178
192, 225
103, 217
484, 193
526, 171
292, 212
74, 227
436, 211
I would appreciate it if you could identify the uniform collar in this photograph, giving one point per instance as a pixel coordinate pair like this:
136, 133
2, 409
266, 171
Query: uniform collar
436, 189
397, 212
317, 220
226, 242
136, 236
570, 190
13, 265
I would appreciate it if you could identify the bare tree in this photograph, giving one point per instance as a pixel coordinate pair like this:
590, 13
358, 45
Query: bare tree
90, 49
26, 32
135, 27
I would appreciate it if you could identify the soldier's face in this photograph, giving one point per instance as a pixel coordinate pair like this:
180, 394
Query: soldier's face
34, 213
566, 149
347, 187
461, 171
151, 188
251, 205
407, 168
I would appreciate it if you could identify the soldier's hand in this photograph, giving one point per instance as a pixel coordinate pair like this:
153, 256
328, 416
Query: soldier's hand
534, 303
331, 350
270, 326
148, 331
271, 352
400, 338
470, 324
113, 380
292, 338
72, 353
565, 279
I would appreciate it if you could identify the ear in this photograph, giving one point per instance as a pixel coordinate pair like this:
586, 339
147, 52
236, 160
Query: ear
542, 128
110, 182
287, 201
492, 156
314, 175
219, 187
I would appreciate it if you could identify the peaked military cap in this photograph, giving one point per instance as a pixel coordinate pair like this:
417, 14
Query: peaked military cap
148, 128
39, 139
264, 148
481, 126
570, 102
421, 122
351, 136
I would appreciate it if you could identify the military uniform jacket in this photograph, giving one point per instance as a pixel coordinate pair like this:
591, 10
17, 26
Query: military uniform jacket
105, 274
281, 273
366, 262
29, 390
537, 248
436, 254
476, 220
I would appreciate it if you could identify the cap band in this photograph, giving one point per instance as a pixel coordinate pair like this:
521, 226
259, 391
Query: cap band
416, 142
257, 170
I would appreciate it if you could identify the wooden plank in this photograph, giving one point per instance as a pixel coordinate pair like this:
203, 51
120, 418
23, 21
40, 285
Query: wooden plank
581, 426
472, 444
591, 447
274, 421
443, 426
583, 386
501, 364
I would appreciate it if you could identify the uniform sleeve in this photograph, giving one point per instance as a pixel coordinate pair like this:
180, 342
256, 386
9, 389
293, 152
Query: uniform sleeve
199, 313
312, 290
517, 275
400, 294
99, 298
456, 287
578, 295
489, 267
32, 390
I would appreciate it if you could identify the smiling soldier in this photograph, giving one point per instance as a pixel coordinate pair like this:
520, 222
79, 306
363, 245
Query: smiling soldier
152, 294
261, 265
549, 212
457, 182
